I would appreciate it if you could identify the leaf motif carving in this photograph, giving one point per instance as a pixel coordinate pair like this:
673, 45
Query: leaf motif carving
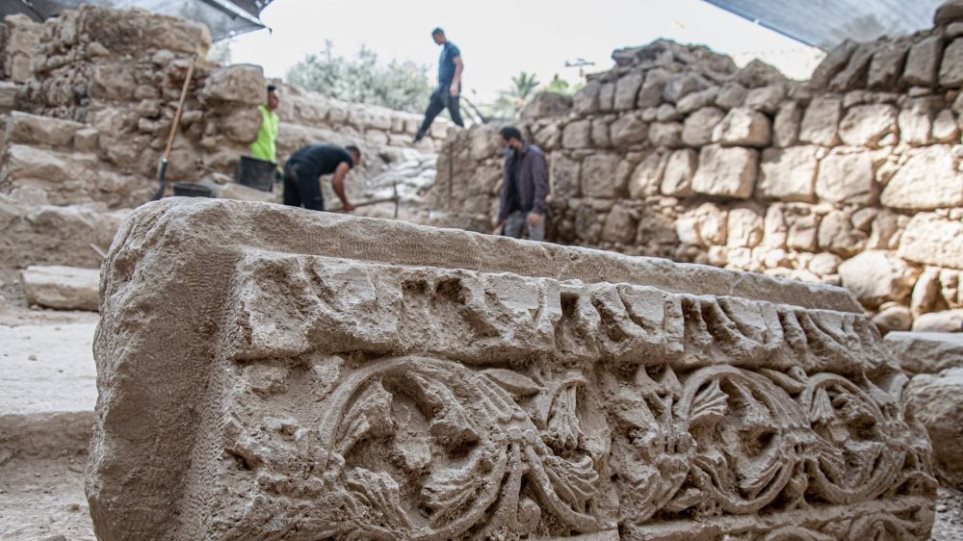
513, 382
371, 413
709, 406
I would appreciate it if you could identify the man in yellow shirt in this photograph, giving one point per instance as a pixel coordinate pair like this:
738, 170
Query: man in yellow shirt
265, 146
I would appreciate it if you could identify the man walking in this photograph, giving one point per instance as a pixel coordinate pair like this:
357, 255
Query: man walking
521, 209
265, 146
448, 92
304, 168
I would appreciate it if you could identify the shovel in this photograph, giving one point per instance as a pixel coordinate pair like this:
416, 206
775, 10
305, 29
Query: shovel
162, 166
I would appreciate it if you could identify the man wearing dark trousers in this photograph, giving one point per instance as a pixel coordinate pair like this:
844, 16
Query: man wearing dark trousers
302, 172
521, 209
448, 92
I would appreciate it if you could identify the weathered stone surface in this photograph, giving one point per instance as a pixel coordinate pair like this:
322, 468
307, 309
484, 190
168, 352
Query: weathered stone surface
846, 177
854, 74
729, 172
837, 234
766, 98
547, 104
239, 83
821, 121
666, 134
832, 64
698, 127
697, 100
586, 100
923, 62
916, 122
869, 125
628, 130
683, 84
577, 134
789, 174
627, 90
948, 12
731, 95
27, 129
679, 170
564, 176
933, 240
743, 127
947, 321
600, 133
650, 95
647, 176
928, 180
336, 382
926, 352
945, 127
607, 97
887, 65
937, 403
67, 288
875, 277
951, 68
598, 175
892, 317
785, 128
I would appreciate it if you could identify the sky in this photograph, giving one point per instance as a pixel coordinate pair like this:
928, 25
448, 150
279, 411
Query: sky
500, 38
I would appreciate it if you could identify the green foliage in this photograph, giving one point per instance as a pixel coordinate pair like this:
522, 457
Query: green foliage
524, 87
397, 85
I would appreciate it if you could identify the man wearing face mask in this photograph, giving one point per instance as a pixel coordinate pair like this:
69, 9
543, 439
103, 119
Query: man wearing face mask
521, 209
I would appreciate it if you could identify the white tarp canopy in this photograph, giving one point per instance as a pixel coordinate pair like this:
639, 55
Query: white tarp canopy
827, 23
225, 18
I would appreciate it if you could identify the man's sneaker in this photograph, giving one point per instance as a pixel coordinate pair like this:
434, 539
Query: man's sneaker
418, 137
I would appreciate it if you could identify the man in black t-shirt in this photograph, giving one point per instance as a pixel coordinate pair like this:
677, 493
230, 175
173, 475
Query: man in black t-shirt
448, 91
302, 172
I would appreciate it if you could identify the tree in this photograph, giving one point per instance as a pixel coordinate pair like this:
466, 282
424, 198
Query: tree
511, 101
397, 85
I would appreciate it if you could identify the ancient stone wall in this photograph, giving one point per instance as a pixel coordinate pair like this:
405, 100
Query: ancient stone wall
120, 73
333, 377
851, 178
86, 105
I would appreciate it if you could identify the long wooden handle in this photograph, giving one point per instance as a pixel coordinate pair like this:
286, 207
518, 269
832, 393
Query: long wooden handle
180, 109
369, 203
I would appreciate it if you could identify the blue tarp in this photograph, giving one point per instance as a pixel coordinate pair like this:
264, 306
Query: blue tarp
827, 23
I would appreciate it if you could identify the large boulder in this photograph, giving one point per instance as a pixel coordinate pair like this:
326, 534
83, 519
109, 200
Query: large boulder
846, 176
869, 125
820, 123
547, 104
239, 84
743, 127
66, 288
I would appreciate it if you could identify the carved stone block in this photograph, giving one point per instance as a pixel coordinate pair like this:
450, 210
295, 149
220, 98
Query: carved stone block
268, 373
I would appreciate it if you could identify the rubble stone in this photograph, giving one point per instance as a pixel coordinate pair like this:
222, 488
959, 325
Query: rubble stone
698, 127
868, 125
66, 288
933, 240
923, 62
679, 171
820, 122
951, 67
875, 277
743, 127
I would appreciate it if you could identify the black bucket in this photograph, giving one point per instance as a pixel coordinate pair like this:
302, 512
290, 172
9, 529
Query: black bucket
256, 173
187, 189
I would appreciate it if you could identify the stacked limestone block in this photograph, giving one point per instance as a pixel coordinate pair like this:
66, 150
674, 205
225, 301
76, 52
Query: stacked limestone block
851, 178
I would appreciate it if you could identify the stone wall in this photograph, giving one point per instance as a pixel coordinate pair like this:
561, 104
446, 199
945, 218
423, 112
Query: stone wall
850, 178
119, 73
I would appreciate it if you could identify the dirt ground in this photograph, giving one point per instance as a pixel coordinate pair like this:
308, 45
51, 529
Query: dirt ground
46, 366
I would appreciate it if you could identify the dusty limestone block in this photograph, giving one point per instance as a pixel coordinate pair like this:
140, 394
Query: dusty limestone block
368, 379
875, 277
933, 240
66, 288
789, 174
936, 393
846, 177
923, 61
869, 125
928, 180
729, 172
820, 122
698, 127
239, 83
951, 67
743, 126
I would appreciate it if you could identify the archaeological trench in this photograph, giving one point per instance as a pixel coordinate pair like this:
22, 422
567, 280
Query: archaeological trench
745, 325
